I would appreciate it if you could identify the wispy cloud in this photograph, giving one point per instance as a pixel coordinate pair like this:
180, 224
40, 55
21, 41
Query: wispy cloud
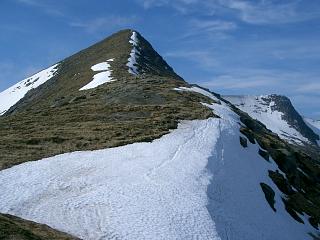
104, 23
252, 12
212, 25
267, 12
216, 28
46, 8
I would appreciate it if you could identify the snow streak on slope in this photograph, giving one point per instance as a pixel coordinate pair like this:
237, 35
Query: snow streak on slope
104, 75
259, 109
195, 183
12, 95
132, 60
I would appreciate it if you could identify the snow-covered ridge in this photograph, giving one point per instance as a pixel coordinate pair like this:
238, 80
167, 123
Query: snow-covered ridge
261, 109
12, 95
198, 90
104, 75
132, 60
196, 182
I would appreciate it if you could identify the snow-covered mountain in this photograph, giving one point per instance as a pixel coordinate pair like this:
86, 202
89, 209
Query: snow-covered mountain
115, 145
277, 114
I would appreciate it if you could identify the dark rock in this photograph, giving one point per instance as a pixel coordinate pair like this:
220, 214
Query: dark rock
269, 195
243, 142
264, 154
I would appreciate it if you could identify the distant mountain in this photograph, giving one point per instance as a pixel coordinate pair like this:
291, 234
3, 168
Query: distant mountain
277, 114
111, 143
314, 123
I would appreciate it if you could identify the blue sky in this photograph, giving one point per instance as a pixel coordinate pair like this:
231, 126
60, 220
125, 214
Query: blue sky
229, 46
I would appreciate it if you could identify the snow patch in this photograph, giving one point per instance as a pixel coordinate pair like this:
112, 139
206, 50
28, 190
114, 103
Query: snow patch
102, 77
12, 95
132, 60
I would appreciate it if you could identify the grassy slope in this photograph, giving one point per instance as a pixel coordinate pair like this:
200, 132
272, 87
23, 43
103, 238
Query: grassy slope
14, 228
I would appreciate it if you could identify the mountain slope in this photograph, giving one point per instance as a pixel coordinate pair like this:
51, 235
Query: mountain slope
127, 149
131, 108
278, 114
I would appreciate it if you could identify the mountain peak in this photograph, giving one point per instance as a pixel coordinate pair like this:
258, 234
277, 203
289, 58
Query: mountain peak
132, 53
125, 55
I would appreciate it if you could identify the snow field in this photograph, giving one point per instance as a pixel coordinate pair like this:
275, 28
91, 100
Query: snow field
140, 191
